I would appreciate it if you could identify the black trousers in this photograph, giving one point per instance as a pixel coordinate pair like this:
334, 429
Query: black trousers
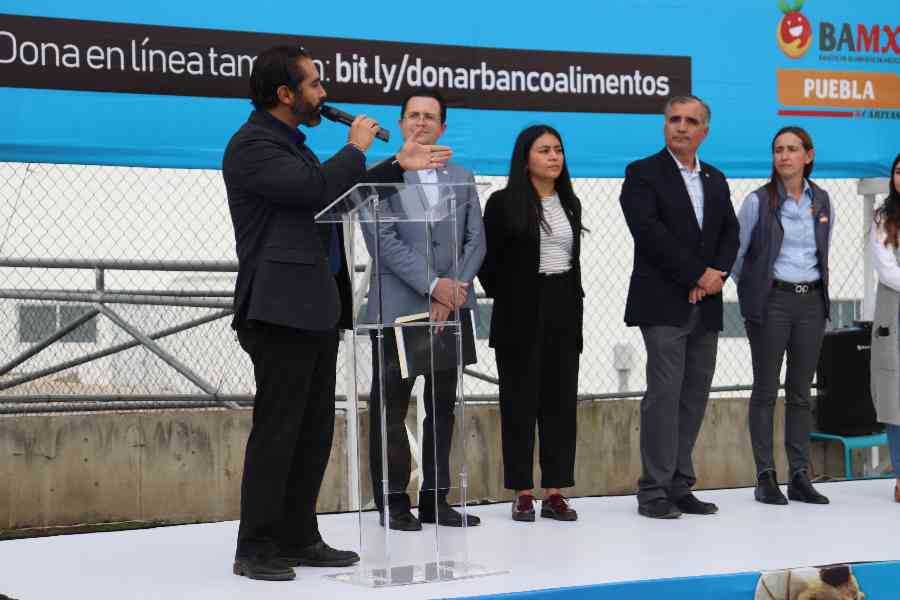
681, 361
539, 386
440, 401
290, 440
794, 324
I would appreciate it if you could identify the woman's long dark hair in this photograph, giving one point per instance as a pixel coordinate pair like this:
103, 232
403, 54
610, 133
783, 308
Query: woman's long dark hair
888, 214
806, 140
525, 209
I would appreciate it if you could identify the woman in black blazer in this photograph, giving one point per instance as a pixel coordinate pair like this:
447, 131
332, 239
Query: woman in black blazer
533, 273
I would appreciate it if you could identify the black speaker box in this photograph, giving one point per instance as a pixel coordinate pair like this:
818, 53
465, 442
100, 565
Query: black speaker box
844, 403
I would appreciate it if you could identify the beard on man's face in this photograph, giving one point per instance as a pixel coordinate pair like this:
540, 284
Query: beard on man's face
306, 113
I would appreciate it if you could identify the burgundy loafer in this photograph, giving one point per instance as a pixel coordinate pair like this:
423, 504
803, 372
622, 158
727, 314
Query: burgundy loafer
557, 507
523, 508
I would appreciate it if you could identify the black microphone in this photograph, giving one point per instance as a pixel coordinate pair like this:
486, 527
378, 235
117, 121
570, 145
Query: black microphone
338, 116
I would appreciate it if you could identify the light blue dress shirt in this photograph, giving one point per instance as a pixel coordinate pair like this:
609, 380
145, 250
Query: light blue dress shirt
694, 186
797, 262
431, 193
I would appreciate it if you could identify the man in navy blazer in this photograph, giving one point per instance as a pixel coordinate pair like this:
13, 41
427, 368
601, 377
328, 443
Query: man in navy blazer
685, 232
291, 297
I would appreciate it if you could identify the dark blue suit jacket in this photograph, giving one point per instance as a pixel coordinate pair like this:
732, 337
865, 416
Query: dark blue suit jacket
670, 250
275, 188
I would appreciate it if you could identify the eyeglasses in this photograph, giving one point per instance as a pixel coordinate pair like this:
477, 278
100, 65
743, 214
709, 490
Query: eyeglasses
417, 116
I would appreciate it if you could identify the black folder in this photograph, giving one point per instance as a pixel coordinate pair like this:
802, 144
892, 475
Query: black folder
413, 344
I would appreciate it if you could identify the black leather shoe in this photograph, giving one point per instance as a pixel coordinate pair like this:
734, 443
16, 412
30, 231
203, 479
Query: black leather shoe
446, 515
321, 554
689, 504
767, 490
660, 508
801, 490
402, 521
267, 569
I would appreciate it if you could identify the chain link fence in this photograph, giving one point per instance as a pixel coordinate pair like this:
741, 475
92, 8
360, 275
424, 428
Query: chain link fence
156, 246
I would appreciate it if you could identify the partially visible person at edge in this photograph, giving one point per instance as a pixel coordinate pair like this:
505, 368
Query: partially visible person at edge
532, 270
782, 276
884, 247
291, 297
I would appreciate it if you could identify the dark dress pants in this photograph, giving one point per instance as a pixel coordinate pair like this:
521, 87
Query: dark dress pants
539, 386
440, 401
680, 366
290, 440
794, 324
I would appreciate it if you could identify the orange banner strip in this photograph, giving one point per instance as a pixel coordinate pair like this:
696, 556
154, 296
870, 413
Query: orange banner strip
831, 89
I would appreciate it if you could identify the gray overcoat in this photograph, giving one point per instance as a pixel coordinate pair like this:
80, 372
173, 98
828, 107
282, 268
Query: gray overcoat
885, 364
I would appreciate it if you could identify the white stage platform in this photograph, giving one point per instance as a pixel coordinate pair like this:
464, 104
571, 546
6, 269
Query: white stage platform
609, 543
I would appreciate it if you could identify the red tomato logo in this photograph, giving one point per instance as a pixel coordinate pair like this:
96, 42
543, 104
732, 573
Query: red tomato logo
794, 34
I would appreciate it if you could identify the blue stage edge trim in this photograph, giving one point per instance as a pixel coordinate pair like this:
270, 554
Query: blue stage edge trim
877, 580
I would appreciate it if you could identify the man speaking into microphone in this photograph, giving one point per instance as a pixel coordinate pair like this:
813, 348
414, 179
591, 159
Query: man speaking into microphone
292, 296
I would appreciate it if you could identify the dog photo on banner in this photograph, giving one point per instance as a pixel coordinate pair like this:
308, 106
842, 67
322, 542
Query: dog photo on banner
833, 582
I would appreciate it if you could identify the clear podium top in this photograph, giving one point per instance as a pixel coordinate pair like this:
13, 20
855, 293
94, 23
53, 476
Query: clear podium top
370, 202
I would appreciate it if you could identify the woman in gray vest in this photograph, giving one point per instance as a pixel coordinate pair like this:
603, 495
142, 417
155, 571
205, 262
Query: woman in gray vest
782, 276
884, 247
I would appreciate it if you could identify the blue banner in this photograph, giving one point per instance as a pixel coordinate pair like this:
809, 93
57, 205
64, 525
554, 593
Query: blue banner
164, 84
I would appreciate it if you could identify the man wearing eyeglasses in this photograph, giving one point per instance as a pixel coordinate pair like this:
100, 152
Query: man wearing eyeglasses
291, 297
415, 279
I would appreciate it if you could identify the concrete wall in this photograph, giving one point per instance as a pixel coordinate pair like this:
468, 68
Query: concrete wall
177, 466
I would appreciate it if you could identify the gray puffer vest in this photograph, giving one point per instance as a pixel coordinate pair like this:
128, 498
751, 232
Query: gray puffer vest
757, 273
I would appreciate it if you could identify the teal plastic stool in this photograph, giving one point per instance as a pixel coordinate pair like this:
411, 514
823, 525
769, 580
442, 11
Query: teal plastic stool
851, 442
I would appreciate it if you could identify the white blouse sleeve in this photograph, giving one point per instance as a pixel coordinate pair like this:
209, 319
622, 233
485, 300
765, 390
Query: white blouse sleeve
883, 258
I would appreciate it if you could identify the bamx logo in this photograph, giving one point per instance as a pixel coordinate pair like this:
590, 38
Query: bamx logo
861, 38
794, 33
